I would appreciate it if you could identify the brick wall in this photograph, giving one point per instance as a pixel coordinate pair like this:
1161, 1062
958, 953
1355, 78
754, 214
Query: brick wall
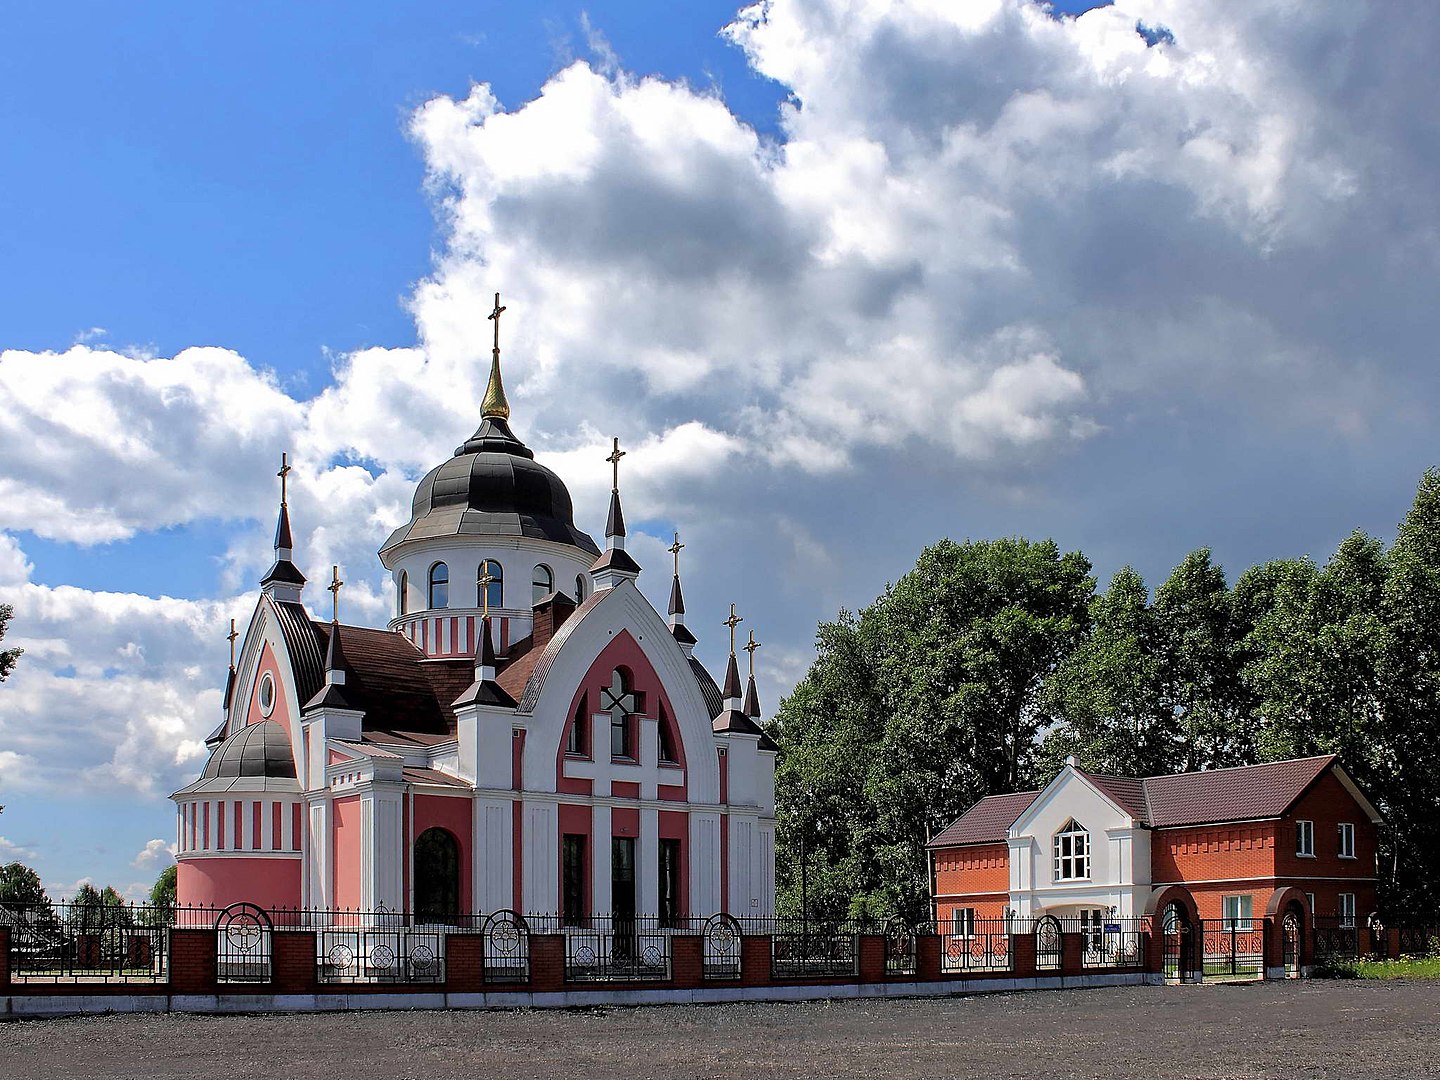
192, 962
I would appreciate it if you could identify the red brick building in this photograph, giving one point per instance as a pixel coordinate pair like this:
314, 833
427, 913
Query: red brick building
1231, 844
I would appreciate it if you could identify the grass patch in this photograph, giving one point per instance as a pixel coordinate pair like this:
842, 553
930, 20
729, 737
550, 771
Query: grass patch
1411, 967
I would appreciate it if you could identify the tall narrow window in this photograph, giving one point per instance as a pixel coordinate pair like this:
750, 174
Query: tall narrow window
1347, 909
496, 586
670, 883
579, 588
439, 585
1072, 852
437, 875
619, 701
575, 740
1238, 911
1347, 840
402, 598
665, 737
573, 906
542, 583
1305, 838
962, 922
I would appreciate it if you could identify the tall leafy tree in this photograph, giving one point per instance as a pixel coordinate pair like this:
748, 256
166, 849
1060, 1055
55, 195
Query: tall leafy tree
7, 656
20, 886
162, 896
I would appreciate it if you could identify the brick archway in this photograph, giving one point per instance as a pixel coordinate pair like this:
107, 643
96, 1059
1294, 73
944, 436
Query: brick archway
1287, 951
1163, 897
1173, 955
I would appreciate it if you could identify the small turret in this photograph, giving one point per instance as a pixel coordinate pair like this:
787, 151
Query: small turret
683, 637
283, 581
614, 566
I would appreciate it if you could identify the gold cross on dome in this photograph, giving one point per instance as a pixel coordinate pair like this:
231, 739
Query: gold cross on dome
614, 459
494, 317
484, 581
750, 648
230, 637
732, 622
674, 549
334, 589
284, 473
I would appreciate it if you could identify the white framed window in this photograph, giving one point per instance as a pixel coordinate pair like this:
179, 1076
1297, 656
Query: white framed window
1072, 852
1310, 900
266, 695
1238, 911
1347, 840
962, 922
542, 583
1346, 908
1305, 839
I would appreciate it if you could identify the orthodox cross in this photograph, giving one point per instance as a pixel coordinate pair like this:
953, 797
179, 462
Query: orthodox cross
617, 696
484, 581
750, 648
733, 621
283, 474
494, 317
674, 549
231, 638
614, 459
334, 589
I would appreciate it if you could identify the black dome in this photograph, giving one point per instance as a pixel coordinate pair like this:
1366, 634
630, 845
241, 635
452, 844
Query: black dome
261, 749
492, 486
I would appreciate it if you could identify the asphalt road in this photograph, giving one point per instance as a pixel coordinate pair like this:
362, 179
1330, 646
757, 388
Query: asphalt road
1290, 1030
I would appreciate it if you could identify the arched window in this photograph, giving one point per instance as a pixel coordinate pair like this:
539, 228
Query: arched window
439, 585
575, 741
1072, 852
666, 737
402, 597
618, 699
542, 583
496, 588
579, 588
437, 875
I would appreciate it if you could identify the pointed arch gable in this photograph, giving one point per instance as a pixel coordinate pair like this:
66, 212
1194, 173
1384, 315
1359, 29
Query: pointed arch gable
269, 647
588, 634
1069, 786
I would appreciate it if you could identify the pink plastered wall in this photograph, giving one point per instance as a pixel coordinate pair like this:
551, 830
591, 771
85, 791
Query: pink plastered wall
346, 833
225, 880
454, 816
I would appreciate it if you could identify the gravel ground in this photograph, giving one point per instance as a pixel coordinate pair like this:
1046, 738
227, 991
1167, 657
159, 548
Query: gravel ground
1280, 1030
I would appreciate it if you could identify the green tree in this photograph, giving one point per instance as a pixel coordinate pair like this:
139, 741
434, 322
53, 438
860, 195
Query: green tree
1105, 699
926, 702
7, 656
20, 885
162, 896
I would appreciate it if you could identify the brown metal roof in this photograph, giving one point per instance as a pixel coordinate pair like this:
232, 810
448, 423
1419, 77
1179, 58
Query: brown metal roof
398, 689
1126, 792
987, 822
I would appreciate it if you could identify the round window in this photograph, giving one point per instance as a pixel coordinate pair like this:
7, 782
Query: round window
267, 695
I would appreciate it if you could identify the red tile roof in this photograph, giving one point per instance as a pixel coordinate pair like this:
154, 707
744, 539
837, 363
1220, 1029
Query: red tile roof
1244, 793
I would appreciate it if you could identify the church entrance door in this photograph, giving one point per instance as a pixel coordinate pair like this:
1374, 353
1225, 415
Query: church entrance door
437, 875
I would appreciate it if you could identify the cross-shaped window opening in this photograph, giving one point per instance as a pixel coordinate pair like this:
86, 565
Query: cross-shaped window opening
620, 702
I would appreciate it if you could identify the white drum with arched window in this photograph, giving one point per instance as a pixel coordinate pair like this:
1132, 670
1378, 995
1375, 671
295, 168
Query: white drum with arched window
542, 583
439, 585
490, 582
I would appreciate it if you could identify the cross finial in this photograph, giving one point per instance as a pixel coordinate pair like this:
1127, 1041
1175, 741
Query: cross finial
494, 317
230, 637
484, 581
614, 459
674, 550
334, 588
750, 648
733, 621
284, 473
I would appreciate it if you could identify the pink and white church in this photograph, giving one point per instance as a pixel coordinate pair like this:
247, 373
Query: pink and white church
528, 732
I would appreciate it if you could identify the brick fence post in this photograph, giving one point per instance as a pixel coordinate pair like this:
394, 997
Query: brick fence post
464, 964
687, 961
755, 960
1274, 950
1022, 953
4, 956
1072, 954
292, 961
927, 957
872, 958
1392, 935
192, 962
547, 962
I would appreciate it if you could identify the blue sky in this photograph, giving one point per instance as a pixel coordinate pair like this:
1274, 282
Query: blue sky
988, 272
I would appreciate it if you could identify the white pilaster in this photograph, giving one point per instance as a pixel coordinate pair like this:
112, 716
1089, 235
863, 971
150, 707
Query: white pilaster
494, 884
600, 831
541, 864
705, 864
647, 859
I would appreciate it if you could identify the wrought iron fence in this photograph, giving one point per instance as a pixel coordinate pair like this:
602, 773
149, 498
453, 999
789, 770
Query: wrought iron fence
723, 942
1049, 942
383, 948
812, 949
87, 942
975, 945
1112, 942
243, 943
505, 948
1336, 938
900, 956
1232, 948
1419, 940
614, 948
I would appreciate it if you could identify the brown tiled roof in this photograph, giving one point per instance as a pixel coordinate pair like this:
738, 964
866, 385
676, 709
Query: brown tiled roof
1211, 797
987, 822
432, 776
1240, 794
517, 666
397, 688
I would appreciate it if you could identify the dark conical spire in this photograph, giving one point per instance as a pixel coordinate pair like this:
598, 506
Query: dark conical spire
731, 689
283, 581
614, 566
485, 649
332, 695
485, 690
752, 700
335, 654
615, 520
677, 599
283, 540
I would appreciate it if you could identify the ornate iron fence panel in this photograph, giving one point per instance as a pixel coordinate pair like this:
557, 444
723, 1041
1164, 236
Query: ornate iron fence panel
1048, 941
381, 954
243, 945
624, 948
723, 941
505, 948
1335, 939
87, 943
899, 947
1113, 943
1233, 948
1290, 944
1419, 940
978, 945
1177, 945
814, 951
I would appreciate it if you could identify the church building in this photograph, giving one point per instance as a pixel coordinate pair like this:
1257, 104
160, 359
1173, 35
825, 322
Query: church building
528, 733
